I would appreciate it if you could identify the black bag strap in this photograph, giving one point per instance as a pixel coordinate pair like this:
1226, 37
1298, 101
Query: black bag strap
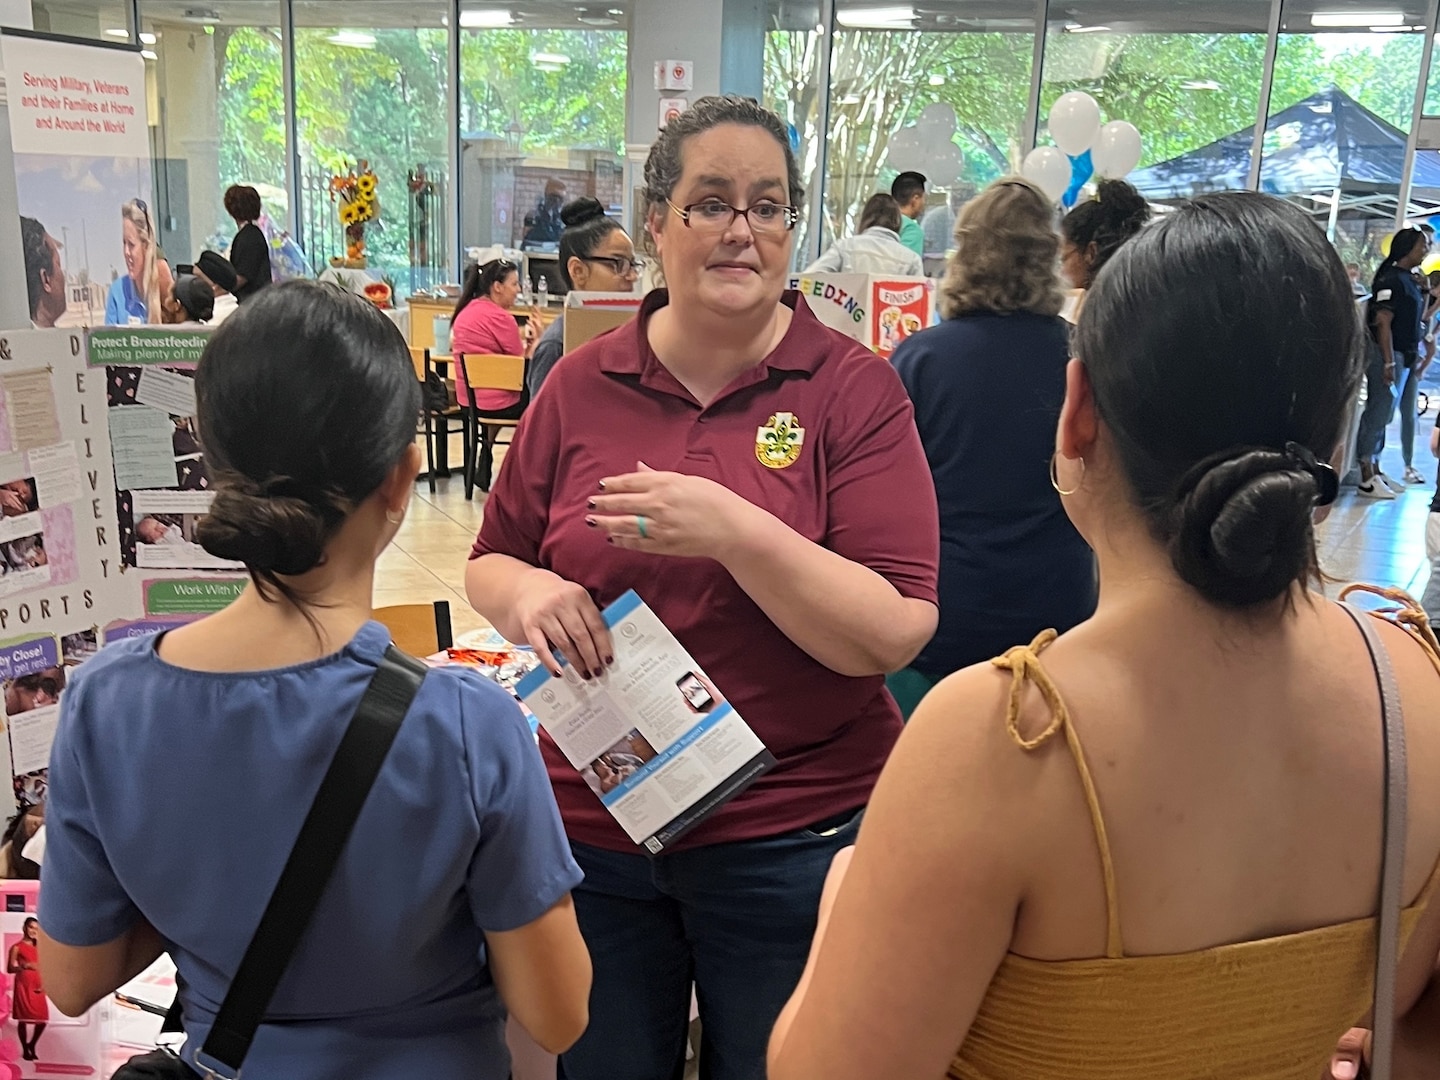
317, 849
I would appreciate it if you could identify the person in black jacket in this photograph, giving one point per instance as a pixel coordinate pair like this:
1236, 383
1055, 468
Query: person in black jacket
249, 251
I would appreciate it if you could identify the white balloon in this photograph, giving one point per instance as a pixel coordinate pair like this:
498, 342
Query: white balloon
1049, 170
944, 165
937, 121
1074, 122
1116, 150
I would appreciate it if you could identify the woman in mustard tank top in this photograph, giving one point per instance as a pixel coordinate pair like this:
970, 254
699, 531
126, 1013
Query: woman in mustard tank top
1151, 849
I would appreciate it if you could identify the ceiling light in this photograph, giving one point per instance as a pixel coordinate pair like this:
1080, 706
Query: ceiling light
149, 54
937, 80
1200, 84
877, 18
1371, 19
117, 31
1087, 29
354, 39
148, 39
485, 19
597, 20
616, 11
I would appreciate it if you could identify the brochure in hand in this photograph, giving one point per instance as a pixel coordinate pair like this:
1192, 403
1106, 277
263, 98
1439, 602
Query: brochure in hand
653, 737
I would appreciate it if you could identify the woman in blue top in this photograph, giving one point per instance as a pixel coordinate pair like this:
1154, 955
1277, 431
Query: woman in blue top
135, 297
987, 385
185, 763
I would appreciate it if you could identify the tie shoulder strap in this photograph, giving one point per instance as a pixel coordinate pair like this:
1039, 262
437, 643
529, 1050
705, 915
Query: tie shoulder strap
1392, 874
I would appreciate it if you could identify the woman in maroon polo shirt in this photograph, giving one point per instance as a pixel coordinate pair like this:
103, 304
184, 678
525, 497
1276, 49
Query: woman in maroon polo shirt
796, 581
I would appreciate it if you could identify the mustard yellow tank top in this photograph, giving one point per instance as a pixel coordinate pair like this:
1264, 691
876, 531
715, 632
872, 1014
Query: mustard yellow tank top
1263, 1010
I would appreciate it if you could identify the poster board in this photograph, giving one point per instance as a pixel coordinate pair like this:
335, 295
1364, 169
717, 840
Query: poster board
81, 139
590, 314
879, 312
61, 577
160, 479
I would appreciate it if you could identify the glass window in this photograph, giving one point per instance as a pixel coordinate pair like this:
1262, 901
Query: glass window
372, 88
1187, 75
1345, 78
81, 18
219, 117
965, 65
794, 40
542, 121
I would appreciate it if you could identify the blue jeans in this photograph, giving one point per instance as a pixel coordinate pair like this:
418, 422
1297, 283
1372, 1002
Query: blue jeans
734, 919
1409, 407
1379, 404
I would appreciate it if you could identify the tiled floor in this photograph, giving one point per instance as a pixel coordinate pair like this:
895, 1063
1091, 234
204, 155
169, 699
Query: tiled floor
1364, 540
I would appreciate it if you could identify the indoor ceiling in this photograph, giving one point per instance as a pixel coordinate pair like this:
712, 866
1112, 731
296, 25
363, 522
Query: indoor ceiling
1120, 16
368, 14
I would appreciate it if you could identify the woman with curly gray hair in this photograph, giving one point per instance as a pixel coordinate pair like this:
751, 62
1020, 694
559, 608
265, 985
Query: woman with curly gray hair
736, 463
987, 385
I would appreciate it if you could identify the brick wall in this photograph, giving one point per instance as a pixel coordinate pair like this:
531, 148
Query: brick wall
605, 184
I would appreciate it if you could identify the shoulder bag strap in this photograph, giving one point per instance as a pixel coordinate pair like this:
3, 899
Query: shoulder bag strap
322, 838
1392, 880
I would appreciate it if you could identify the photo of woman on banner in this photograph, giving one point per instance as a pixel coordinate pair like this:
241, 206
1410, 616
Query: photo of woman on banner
135, 297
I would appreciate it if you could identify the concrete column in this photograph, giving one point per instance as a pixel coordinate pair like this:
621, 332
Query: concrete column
742, 48
17, 13
670, 30
188, 132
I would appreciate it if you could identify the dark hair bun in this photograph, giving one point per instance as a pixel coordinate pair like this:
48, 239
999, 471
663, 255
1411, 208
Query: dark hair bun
580, 211
1243, 531
1123, 205
274, 529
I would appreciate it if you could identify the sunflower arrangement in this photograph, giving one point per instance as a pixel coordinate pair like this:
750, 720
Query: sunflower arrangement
354, 192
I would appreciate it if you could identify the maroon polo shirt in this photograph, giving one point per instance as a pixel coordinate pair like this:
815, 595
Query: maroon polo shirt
859, 486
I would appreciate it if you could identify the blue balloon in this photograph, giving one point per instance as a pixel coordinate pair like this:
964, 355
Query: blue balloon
1081, 169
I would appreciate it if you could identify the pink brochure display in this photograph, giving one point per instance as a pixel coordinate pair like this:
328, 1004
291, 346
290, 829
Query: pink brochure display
66, 1046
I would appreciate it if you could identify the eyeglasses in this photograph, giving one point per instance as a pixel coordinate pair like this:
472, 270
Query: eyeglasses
616, 264
714, 216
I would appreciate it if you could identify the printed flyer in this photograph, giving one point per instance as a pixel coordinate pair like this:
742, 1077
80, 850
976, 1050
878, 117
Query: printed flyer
653, 737
40, 1040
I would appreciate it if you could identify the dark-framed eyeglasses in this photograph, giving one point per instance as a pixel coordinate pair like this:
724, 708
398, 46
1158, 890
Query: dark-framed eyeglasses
616, 264
715, 216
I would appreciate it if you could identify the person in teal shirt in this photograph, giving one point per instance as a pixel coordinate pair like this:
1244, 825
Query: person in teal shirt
909, 191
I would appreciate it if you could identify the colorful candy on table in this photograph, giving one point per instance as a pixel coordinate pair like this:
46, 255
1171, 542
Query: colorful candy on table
500, 661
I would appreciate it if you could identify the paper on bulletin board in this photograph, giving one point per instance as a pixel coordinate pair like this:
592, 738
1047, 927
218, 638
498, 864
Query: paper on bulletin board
59, 553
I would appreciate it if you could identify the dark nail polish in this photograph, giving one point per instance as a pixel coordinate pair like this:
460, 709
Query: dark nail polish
602, 485
590, 505
591, 522
609, 539
609, 660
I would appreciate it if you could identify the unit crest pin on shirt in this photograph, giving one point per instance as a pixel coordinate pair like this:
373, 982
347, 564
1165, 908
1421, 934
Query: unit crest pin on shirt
779, 442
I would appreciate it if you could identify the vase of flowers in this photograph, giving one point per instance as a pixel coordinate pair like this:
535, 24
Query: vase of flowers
353, 192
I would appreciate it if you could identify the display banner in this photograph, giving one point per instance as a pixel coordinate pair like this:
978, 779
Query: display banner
80, 133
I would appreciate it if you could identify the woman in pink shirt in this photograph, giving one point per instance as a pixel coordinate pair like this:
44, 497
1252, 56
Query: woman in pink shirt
483, 323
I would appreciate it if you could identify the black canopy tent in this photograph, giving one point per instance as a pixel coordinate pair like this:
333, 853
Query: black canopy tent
1327, 152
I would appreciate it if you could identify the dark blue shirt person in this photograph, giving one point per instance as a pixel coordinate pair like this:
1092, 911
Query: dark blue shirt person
987, 385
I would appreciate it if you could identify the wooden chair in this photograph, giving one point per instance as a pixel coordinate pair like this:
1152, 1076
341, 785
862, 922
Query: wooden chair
418, 629
488, 371
424, 368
